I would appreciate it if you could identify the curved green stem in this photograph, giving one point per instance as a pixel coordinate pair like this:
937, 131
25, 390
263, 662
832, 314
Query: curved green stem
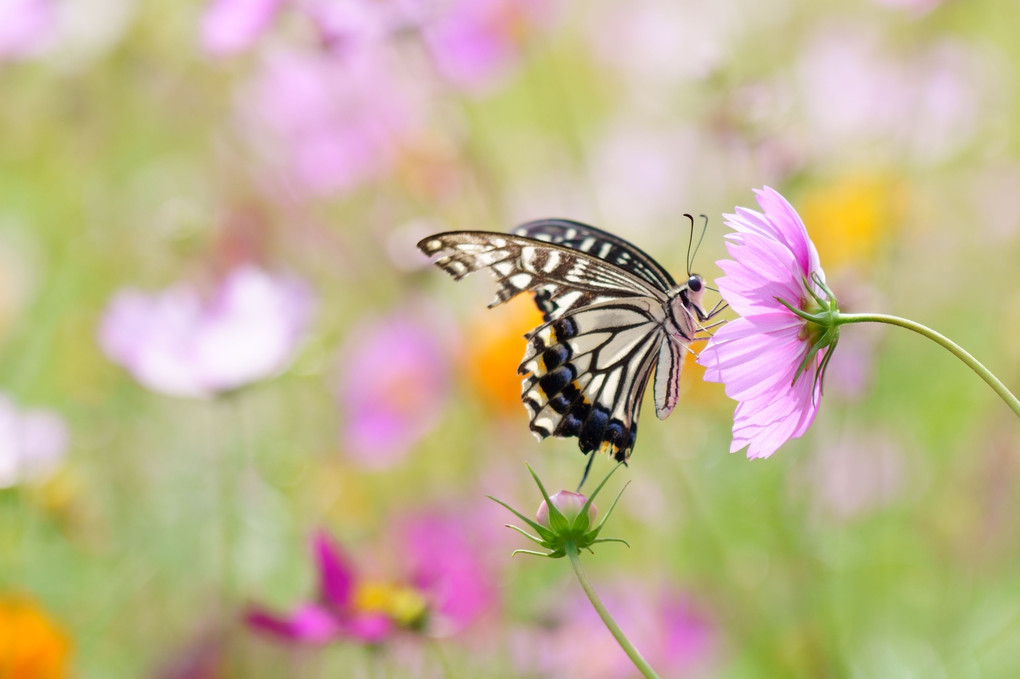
958, 351
628, 648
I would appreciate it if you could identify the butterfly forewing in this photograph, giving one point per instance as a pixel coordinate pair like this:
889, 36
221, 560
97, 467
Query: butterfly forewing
564, 277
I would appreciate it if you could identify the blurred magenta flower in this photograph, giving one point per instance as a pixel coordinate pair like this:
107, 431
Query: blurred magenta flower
333, 124
335, 614
771, 359
445, 558
230, 26
392, 387
182, 343
25, 27
33, 443
444, 587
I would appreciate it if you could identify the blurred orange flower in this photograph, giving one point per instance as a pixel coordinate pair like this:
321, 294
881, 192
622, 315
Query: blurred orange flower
496, 349
31, 646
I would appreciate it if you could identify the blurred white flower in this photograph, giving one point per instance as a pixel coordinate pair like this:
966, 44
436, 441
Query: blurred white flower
32, 444
182, 343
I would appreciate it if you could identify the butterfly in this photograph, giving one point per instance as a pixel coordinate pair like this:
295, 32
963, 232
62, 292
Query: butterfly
612, 316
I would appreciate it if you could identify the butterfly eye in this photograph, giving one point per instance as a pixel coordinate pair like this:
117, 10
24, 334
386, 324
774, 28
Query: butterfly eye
694, 283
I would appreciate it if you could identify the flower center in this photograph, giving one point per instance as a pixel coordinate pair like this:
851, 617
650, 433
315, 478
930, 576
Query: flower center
403, 603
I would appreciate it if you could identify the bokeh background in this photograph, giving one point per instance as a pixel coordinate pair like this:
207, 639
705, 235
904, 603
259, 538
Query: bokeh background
217, 339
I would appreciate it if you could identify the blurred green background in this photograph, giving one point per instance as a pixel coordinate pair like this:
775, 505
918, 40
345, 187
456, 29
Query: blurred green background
147, 145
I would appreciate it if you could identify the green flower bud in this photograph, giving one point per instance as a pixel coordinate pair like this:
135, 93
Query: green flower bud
564, 521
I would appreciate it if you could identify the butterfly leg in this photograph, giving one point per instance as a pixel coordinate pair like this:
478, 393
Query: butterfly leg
719, 307
587, 468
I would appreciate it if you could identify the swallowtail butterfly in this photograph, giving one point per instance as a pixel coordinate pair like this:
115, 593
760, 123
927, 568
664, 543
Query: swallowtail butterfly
612, 315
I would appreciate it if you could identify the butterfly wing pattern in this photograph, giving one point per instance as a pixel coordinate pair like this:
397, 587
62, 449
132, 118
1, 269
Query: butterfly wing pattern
612, 315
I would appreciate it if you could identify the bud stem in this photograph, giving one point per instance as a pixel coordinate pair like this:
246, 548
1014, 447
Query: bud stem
958, 351
628, 648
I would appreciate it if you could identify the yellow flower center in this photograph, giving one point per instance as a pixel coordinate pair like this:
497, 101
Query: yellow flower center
404, 604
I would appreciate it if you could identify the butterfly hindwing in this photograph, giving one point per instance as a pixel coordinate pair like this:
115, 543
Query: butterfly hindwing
585, 373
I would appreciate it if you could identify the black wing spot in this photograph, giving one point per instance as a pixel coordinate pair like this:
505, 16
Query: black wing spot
553, 382
560, 403
565, 328
590, 437
555, 356
571, 423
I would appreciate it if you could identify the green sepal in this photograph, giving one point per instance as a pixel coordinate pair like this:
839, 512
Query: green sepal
537, 527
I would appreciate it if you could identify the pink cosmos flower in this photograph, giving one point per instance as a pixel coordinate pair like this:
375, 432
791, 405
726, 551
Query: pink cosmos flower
334, 614
446, 587
770, 359
32, 444
392, 387
183, 343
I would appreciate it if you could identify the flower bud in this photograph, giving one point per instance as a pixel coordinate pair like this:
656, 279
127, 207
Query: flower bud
564, 521
570, 506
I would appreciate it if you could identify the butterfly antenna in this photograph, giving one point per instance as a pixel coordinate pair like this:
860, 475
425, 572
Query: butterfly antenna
701, 238
690, 242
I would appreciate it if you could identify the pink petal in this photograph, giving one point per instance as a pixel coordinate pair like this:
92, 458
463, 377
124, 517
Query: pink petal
336, 577
309, 624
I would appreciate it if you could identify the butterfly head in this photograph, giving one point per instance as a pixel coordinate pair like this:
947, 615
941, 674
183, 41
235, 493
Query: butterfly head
692, 294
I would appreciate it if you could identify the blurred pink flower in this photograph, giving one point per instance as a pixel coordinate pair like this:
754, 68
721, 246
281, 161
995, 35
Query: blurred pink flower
444, 588
32, 444
334, 124
472, 41
334, 614
445, 559
768, 358
230, 26
392, 387
858, 95
25, 26
182, 343
856, 475
672, 633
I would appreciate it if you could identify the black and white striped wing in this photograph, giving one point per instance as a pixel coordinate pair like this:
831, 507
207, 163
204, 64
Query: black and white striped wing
598, 243
566, 278
586, 372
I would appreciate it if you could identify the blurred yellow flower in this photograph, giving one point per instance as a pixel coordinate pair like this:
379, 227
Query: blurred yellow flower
496, 349
849, 218
31, 646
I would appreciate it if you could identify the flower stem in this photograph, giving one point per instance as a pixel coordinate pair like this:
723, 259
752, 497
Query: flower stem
958, 351
628, 648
